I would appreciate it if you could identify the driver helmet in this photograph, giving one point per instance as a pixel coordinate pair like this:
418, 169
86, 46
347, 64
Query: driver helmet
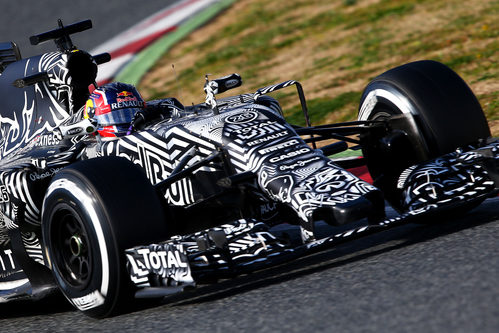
113, 106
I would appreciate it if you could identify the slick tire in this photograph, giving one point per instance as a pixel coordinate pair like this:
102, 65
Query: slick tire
92, 211
446, 113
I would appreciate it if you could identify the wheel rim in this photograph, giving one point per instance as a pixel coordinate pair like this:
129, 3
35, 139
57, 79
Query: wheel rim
71, 247
383, 113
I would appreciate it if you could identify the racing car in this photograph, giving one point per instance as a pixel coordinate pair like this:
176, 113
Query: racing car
193, 194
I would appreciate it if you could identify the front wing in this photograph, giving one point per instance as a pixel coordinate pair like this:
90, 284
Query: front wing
430, 190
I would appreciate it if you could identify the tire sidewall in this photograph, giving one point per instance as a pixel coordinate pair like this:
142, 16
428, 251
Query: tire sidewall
98, 296
381, 94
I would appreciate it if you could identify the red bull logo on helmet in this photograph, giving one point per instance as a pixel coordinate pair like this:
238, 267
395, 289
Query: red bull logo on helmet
126, 99
125, 96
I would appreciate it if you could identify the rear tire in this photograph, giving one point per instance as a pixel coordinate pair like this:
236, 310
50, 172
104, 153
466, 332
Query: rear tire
93, 210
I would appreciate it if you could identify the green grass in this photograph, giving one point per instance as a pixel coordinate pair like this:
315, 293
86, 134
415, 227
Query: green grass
319, 108
380, 11
491, 105
336, 47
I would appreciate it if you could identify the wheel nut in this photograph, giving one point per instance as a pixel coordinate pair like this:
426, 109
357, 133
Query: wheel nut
76, 245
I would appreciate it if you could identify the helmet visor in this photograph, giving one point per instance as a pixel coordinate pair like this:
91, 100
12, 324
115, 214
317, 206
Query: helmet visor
119, 116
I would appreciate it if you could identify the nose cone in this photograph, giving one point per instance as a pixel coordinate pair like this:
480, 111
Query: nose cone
322, 191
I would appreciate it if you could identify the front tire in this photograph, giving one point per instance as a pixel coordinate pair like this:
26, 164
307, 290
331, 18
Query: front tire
447, 112
93, 210
446, 115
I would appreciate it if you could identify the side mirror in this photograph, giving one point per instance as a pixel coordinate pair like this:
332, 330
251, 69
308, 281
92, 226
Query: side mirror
225, 83
218, 86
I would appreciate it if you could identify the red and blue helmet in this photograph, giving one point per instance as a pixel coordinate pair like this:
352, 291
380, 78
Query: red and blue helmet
113, 106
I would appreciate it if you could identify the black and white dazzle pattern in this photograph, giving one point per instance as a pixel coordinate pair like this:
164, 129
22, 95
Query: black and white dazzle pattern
288, 170
44, 107
254, 138
453, 178
158, 156
18, 185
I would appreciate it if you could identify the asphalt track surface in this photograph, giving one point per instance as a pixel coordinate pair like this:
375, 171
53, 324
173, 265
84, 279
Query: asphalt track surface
415, 278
